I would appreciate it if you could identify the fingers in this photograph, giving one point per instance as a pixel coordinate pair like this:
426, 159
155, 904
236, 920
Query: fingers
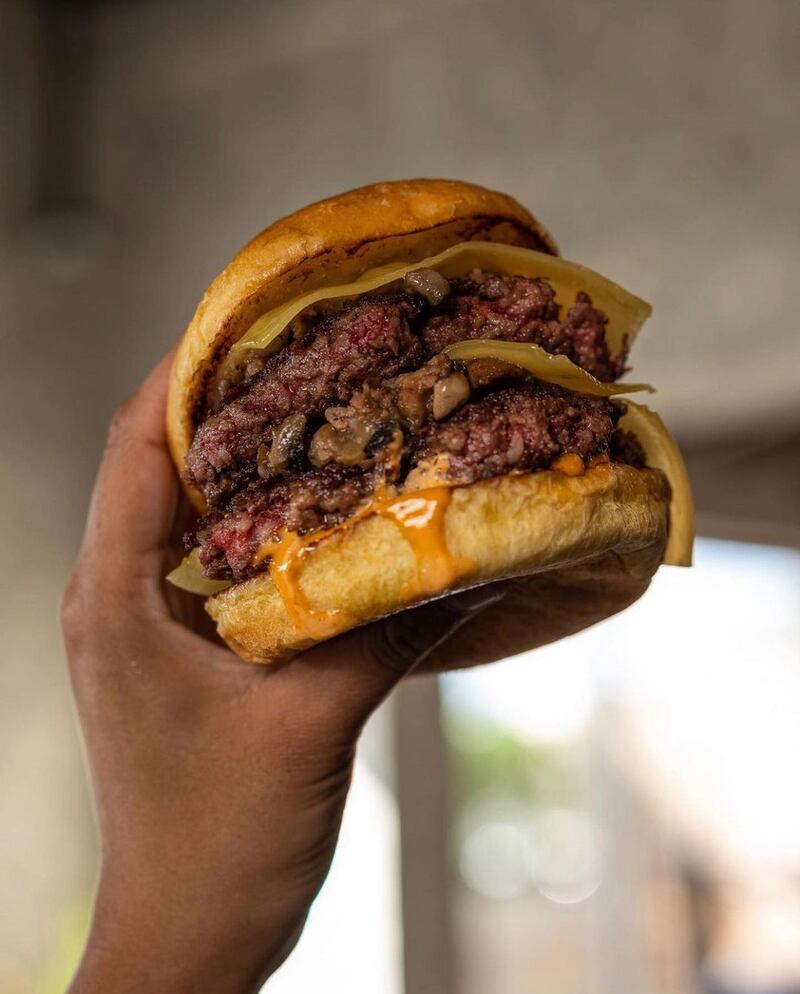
339, 684
405, 640
134, 496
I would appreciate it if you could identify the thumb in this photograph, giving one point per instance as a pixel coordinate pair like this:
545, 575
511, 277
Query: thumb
403, 641
346, 679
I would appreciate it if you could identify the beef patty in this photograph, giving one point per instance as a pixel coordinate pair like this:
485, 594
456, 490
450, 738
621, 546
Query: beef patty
373, 339
522, 427
364, 397
324, 367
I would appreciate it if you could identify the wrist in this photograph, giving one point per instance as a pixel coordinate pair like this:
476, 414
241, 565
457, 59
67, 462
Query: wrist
134, 948
124, 967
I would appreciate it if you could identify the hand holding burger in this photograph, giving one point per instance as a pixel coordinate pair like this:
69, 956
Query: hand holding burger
353, 455
403, 392
219, 786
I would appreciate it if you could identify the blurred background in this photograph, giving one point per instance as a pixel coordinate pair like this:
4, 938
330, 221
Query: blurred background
618, 814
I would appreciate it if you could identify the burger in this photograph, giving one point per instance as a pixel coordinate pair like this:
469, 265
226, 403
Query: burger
402, 392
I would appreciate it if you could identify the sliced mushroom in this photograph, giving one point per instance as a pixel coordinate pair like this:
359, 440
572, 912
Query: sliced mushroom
411, 402
329, 445
347, 421
484, 372
412, 391
386, 438
287, 442
428, 284
339, 417
448, 394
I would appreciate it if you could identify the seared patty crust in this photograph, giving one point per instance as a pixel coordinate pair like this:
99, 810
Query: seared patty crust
517, 309
364, 397
371, 338
374, 339
519, 428
315, 499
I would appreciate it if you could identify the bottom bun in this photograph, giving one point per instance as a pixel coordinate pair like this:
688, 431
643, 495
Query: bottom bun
578, 549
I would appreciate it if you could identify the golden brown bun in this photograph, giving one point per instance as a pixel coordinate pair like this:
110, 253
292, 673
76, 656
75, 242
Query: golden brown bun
330, 242
576, 548
531, 526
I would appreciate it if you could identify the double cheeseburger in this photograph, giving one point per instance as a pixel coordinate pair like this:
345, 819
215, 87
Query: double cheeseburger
402, 392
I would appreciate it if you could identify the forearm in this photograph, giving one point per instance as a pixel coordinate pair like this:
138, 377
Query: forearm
117, 968
122, 965
136, 949
219, 786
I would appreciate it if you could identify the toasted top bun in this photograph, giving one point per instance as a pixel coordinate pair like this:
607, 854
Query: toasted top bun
575, 548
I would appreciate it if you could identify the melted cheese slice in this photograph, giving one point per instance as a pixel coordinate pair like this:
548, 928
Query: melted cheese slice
543, 365
626, 313
188, 575
662, 452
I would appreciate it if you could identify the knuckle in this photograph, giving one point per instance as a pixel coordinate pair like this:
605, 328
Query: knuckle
119, 426
389, 650
403, 641
72, 608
